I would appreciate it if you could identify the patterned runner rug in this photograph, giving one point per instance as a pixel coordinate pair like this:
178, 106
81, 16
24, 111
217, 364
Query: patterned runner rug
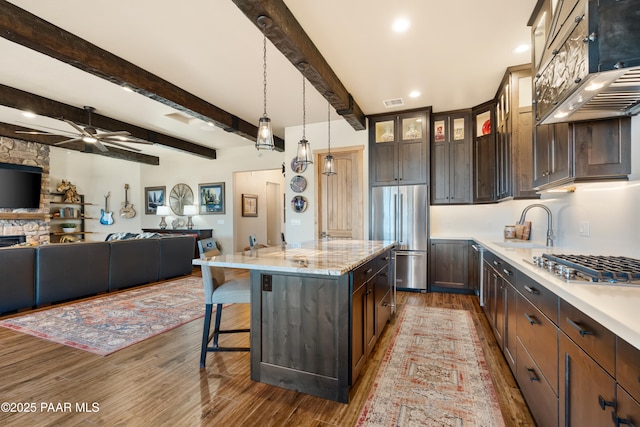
433, 374
109, 323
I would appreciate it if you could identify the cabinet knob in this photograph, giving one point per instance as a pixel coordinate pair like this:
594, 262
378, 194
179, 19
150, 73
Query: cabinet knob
618, 65
579, 18
578, 80
533, 291
555, 51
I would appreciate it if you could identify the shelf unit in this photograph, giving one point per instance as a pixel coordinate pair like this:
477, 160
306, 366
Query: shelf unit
64, 212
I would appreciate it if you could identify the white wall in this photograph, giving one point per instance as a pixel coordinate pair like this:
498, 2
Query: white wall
254, 182
95, 175
611, 208
301, 227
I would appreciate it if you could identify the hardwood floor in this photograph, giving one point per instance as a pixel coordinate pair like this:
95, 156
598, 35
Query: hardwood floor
158, 381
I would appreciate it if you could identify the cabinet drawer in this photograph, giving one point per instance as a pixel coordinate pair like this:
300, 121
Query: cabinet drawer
545, 300
540, 397
628, 367
540, 337
596, 340
364, 273
382, 260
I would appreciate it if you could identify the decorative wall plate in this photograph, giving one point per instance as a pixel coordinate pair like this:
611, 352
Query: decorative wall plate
298, 167
298, 183
299, 203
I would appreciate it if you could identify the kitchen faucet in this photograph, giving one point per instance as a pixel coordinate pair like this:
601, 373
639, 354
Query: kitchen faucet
549, 220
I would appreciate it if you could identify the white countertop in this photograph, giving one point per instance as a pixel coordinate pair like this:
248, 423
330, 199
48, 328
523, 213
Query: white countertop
616, 307
326, 257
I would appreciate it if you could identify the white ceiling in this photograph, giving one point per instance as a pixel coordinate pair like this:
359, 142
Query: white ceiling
454, 53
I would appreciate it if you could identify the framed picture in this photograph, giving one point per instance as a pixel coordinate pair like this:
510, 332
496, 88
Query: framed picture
211, 198
440, 132
458, 129
153, 197
249, 205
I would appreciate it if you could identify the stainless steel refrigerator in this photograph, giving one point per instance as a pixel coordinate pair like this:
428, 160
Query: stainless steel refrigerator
401, 213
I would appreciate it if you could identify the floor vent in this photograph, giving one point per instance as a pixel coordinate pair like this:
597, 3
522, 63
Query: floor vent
396, 102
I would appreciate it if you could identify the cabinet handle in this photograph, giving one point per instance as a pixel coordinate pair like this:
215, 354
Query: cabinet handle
532, 320
617, 421
533, 291
579, 328
532, 375
368, 271
497, 263
507, 272
604, 403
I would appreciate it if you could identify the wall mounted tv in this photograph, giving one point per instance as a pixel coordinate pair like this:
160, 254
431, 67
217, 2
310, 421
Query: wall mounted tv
20, 186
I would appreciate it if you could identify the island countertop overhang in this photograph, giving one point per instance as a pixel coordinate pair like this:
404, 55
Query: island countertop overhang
322, 257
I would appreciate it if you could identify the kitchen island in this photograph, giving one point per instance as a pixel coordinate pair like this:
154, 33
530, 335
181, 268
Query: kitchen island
317, 309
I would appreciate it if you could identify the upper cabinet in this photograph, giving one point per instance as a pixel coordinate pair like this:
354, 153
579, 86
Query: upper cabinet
484, 153
451, 158
399, 148
514, 135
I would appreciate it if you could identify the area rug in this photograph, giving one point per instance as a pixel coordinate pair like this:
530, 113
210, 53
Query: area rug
433, 374
107, 324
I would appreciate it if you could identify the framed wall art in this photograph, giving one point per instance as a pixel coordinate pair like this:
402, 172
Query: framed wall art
153, 197
249, 205
211, 198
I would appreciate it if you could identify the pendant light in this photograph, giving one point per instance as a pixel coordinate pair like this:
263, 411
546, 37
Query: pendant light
329, 167
265, 132
304, 149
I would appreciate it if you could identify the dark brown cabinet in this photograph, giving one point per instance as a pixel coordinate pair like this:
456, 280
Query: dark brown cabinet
587, 392
199, 235
370, 309
484, 153
602, 149
514, 134
627, 412
552, 155
399, 148
451, 158
449, 265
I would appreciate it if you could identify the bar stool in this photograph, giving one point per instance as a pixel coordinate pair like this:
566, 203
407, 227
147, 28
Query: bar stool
218, 291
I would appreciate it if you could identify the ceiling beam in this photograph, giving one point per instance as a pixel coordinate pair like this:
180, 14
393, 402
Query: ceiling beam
9, 131
25, 101
26, 29
288, 36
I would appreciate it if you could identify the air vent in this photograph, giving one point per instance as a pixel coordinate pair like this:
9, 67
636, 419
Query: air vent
396, 102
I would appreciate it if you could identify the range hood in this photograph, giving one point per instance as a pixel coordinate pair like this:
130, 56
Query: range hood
594, 71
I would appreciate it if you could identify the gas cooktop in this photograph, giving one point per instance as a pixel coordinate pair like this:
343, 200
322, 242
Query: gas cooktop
617, 270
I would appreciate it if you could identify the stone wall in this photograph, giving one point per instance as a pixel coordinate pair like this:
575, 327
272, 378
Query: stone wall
32, 154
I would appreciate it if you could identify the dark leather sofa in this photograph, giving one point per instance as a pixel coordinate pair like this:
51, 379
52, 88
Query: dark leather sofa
17, 278
59, 272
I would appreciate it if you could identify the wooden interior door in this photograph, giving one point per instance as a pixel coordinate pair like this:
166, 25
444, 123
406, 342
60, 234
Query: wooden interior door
340, 196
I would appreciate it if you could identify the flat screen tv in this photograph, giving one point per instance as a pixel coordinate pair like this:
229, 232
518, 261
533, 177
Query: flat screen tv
20, 186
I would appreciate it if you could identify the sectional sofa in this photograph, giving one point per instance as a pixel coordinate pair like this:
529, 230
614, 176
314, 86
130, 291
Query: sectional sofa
34, 276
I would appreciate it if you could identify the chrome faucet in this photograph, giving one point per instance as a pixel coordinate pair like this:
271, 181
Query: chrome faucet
549, 220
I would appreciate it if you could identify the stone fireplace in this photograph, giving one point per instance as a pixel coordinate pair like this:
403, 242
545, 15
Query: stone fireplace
32, 224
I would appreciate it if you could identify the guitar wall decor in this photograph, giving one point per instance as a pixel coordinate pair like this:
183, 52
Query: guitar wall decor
127, 211
106, 217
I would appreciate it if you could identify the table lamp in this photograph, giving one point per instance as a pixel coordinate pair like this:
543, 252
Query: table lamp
162, 211
189, 211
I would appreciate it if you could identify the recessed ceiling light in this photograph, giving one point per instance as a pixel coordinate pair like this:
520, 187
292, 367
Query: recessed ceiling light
127, 88
400, 25
29, 114
414, 94
521, 49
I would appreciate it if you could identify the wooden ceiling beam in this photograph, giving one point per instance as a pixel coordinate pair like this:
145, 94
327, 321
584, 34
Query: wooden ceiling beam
9, 131
288, 36
26, 29
25, 101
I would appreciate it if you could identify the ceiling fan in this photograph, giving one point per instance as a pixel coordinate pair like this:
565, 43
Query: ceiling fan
89, 134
